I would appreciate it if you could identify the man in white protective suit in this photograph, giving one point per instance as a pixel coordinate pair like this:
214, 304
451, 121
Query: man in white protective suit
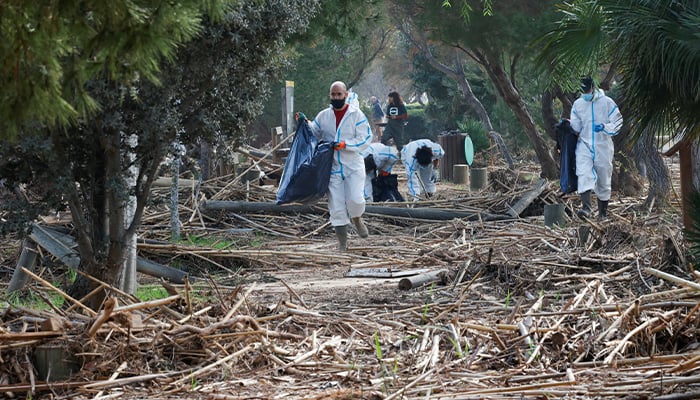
596, 118
348, 128
421, 158
379, 160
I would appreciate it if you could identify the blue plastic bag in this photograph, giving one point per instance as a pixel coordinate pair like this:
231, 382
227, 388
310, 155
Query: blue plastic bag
307, 170
566, 141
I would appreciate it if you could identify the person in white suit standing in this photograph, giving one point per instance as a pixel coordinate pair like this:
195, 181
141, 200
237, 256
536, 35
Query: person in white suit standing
596, 119
347, 127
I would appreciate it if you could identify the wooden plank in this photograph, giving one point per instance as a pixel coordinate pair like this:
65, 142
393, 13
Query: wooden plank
58, 244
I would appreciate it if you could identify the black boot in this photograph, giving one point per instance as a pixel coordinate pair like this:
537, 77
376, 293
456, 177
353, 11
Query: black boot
602, 210
585, 211
341, 232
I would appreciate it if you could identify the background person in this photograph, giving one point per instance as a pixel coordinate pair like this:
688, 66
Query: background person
379, 160
596, 118
348, 128
396, 115
421, 158
377, 117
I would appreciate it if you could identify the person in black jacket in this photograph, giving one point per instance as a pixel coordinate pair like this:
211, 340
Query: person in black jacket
397, 115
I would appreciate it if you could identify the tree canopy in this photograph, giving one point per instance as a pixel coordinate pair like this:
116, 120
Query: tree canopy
98, 158
49, 50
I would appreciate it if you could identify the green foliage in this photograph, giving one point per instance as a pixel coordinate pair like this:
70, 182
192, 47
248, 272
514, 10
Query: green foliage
151, 292
377, 346
50, 50
457, 347
418, 126
212, 242
213, 91
34, 301
447, 106
509, 127
466, 9
343, 21
477, 133
338, 45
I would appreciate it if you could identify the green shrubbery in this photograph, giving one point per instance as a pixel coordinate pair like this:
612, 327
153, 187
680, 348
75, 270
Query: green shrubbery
419, 125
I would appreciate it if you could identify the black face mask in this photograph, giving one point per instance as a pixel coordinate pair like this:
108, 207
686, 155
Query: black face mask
337, 103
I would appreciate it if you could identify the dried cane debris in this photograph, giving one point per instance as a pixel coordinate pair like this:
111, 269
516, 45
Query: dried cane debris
524, 311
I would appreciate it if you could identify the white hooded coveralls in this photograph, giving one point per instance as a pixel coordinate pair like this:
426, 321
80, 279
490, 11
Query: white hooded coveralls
345, 189
595, 150
384, 157
413, 169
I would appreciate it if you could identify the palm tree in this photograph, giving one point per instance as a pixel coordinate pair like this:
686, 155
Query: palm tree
653, 44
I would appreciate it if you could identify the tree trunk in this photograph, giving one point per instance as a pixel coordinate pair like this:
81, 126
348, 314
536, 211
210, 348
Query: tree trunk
550, 120
205, 160
695, 162
127, 277
174, 201
656, 171
510, 95
102, 240
457, 75
27, 259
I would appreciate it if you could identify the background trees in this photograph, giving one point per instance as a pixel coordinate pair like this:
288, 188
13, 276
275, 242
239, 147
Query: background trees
496, 39
93, 108
112, 128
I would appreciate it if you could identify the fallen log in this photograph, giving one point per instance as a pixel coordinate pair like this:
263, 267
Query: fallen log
419, 280
528, 198
416, 213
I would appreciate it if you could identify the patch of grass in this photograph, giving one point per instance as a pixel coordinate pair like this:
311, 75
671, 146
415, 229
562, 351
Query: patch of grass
377, 347
72, 275
151, 292
256, 239
35, 301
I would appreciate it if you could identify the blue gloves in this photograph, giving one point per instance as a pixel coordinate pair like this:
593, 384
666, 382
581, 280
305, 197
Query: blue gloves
598, 127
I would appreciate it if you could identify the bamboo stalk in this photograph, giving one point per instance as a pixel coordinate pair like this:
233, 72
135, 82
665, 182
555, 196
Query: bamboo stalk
673, 278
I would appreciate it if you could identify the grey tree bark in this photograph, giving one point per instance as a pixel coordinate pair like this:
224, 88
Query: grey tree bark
511, 96
456, 73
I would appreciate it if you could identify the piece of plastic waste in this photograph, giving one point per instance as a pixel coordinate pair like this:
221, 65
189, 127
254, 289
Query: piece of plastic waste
566, 140
307, 170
